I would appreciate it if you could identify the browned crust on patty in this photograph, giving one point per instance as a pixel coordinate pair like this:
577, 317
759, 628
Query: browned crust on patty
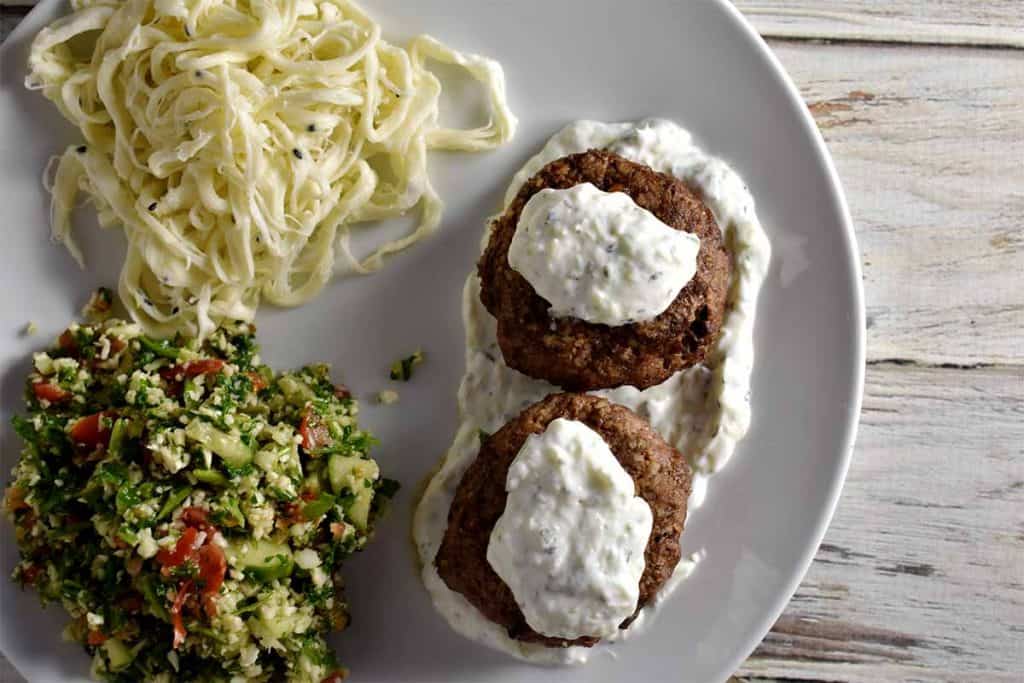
581, 356
660, 473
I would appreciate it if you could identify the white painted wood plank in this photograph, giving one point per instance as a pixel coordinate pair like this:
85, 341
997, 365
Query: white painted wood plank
921, 576
993, 23
929, 146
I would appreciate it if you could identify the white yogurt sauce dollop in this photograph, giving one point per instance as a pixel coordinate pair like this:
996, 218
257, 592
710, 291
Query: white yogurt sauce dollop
570, 543
703, 410
599, 256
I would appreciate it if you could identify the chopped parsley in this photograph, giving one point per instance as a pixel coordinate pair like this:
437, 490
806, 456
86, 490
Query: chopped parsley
401, 370
168, 480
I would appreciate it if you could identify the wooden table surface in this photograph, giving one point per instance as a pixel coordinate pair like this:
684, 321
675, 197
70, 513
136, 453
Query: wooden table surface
921, 575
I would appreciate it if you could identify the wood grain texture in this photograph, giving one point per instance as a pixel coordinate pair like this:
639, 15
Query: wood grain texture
929, 146
921, 575
991, 23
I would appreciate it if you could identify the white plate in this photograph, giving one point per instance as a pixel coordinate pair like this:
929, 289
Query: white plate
696, 62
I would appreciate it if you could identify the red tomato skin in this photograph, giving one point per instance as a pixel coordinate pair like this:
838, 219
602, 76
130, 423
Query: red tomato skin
197, 517
46, 391
183, 549
212, 567
91, 430
258, 383
314, 435
179, 626
192, 368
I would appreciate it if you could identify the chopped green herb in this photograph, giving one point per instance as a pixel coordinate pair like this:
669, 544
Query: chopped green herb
401, 370
211, 477
154, 468
315, 508
162, 348
173, 501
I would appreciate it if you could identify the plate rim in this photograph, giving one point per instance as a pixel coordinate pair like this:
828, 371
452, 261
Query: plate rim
856, 390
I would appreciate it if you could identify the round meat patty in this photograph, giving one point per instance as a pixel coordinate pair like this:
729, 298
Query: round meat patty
581, 356
660, 473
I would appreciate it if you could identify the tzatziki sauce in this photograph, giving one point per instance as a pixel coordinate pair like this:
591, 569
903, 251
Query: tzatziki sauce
570, 543
599, 256
703, 411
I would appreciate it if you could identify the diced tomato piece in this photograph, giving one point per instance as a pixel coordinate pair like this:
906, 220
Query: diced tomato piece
335, 677
212, 567
193, 368
197, 517
67, 342
183, 549
313, 433
14, 497
341, 391
258, 383
45, 391
30, 573
207, 366
179, 630
95, 637
91, 430
179, 627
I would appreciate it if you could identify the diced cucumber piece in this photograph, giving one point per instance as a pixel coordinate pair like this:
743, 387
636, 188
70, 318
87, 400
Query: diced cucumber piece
265, 560
211, 477
173, 501
147, 584
117, 435
296, 391
160, 347
230, 505
118, 654
318, 506
231, 448
352, 473
127, 535
349, 471
359, 510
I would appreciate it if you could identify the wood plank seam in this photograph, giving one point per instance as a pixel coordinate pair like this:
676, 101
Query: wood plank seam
908, 42
940, 366
785, 24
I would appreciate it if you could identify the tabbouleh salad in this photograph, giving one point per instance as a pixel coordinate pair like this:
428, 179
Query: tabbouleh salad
189, 508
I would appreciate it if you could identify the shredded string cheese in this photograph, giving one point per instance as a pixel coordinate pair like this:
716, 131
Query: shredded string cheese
238, 142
